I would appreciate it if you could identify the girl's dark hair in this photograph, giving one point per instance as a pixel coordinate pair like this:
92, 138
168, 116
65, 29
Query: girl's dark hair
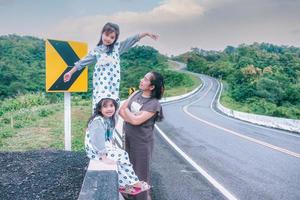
159, 86
97, 110
110, 28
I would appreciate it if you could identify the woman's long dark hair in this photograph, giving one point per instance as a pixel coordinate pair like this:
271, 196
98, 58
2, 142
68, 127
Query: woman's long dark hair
110, 28
157, 80
98, 108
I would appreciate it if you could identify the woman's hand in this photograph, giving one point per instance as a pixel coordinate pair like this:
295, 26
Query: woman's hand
125, 105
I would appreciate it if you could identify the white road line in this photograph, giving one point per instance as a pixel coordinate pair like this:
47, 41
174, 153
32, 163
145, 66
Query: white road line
185, 109
215, 183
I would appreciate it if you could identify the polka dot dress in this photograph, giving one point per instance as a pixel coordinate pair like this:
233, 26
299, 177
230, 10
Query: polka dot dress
106, 77
96, 145
126, 173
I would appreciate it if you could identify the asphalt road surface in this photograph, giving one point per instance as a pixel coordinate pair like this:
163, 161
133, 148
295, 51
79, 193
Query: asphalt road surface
231, 159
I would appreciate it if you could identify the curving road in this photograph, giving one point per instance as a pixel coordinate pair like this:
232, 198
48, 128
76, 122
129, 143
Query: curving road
231, 159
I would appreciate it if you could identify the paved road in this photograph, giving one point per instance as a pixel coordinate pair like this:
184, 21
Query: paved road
248, 161
175, 179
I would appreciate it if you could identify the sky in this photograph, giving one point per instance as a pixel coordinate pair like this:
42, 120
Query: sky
180, 24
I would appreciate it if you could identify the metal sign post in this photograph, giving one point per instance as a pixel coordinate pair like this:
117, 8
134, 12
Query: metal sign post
67, 121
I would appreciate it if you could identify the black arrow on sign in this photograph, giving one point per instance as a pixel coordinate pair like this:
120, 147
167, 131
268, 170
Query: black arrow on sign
70, 57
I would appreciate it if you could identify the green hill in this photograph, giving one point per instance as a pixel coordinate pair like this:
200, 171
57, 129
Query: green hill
22, 65
260, 78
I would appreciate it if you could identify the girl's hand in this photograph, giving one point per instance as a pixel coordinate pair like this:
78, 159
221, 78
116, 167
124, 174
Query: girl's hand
67, 77
153, 36
108, 161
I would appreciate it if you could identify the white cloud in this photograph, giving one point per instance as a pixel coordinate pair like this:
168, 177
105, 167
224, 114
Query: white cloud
207, 24
161, 18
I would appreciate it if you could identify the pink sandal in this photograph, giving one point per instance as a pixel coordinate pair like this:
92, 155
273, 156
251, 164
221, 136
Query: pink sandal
132, 190
144, 186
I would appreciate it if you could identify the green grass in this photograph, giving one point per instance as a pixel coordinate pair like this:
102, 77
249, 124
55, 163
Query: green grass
80, 115
176, 91
24, 129
43, 127
183, 89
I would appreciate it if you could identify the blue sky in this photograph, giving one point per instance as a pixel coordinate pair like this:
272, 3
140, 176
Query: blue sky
50, 11
19, 16
181, 24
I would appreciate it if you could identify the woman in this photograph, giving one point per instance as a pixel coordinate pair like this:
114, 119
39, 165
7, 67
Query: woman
140, 112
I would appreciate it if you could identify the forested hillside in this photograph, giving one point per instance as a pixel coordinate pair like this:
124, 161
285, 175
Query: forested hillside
263, 78
22, 65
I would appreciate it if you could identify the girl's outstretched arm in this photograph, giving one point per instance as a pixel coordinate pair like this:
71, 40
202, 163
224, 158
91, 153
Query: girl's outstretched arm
129, 42
151, 35
88, 59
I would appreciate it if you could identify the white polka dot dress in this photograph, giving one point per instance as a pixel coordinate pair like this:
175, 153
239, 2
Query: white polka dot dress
106, 77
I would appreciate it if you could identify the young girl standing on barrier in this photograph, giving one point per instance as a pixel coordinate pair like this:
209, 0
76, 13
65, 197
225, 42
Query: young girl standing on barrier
106, 76
99, 145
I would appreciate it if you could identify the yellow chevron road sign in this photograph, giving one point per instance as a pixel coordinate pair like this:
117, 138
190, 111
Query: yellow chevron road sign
60, 58
131, 90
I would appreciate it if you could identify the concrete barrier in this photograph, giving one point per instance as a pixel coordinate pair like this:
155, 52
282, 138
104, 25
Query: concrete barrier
292, 125
100, 182
180, 97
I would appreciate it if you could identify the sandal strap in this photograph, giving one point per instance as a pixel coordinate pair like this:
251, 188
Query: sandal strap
145, 185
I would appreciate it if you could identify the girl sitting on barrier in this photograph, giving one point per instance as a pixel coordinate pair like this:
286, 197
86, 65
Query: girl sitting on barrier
99, 145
